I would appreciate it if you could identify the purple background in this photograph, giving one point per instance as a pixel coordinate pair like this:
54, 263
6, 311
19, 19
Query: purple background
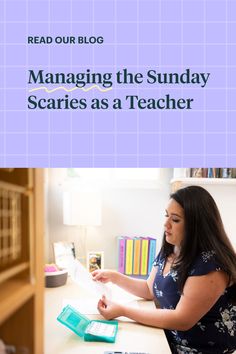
140, 35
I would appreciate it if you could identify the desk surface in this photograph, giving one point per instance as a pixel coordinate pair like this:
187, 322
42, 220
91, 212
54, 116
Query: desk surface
131, 336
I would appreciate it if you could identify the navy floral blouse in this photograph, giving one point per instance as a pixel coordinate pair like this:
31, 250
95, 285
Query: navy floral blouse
216, 331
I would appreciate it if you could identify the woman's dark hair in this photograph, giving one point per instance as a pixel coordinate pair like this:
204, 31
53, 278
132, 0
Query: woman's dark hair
204, 231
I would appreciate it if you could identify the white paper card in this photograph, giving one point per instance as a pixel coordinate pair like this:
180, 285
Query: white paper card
84, 306
81, 276
89, 306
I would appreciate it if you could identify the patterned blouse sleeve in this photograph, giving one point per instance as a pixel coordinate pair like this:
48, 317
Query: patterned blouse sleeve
157, 260
205, 263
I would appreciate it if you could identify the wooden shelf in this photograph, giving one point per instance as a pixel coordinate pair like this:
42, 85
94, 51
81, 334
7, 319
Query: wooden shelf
21, 258
8, 273
176, 183
13, 295
193, 180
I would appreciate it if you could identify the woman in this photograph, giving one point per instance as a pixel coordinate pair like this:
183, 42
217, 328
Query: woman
193, 279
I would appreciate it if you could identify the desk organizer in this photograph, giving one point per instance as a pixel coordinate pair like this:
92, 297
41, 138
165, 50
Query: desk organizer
55, 279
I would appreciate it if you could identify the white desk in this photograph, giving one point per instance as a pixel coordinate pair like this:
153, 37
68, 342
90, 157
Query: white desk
131, 336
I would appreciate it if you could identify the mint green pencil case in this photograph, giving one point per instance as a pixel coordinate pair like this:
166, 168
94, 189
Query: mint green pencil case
90, 330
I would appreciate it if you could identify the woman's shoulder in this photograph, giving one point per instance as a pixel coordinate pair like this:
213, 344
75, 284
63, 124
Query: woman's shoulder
205, 262
160, 259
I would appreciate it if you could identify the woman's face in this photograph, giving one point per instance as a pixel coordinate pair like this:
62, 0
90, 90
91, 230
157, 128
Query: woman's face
174, 224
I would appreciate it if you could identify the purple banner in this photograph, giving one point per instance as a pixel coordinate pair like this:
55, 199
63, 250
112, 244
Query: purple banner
117, 83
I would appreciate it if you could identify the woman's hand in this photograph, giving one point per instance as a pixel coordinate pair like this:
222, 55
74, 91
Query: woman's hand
109, 309
104, 276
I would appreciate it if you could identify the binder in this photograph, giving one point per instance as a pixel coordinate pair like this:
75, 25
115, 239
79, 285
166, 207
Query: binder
144, 256
136, 256
129, 256
152, 253
121, 255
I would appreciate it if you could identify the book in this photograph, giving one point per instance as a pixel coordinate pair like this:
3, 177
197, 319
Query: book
151, 253
196, 172
144, 256
204, 172
129, 242
233, 173
210, 173
224, 172
121, 254
136, 256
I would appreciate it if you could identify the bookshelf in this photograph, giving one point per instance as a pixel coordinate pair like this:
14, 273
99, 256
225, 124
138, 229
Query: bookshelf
21, 259
177, 183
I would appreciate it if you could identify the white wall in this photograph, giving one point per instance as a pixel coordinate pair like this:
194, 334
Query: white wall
225, 197
126, 210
